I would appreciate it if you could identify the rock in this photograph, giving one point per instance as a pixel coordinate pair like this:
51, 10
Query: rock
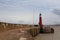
52, 30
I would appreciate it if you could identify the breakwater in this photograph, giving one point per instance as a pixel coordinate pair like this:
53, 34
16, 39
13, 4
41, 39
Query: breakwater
33, 30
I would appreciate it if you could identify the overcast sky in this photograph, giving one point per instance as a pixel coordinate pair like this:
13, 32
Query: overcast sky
21, 11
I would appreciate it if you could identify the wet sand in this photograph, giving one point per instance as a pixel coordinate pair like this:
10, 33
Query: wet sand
55, 36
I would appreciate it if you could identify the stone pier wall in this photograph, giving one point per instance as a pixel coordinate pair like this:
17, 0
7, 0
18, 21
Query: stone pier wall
8, 26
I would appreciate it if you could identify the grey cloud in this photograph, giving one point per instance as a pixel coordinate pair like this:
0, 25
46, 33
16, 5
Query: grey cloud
28, 4
21, 22
24, 22
56, 11
8, 20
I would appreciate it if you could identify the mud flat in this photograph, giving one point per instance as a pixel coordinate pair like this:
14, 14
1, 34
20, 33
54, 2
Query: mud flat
49, 36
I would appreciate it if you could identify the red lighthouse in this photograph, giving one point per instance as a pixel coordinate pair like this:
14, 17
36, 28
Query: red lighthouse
40, 20
40, 23
45, 29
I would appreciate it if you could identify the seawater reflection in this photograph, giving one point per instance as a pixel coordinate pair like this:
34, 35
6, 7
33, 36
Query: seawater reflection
55, 36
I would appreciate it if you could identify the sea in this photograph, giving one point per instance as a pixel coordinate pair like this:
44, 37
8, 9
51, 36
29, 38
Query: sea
50, 36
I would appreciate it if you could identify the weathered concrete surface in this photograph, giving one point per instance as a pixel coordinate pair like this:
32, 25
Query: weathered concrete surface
15, 34
55, 36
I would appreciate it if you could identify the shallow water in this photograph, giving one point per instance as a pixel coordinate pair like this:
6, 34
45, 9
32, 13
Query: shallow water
55, 36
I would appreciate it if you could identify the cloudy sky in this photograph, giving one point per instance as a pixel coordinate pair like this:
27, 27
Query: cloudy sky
27, 11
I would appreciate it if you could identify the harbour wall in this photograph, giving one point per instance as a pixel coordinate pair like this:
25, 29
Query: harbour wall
34, 30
